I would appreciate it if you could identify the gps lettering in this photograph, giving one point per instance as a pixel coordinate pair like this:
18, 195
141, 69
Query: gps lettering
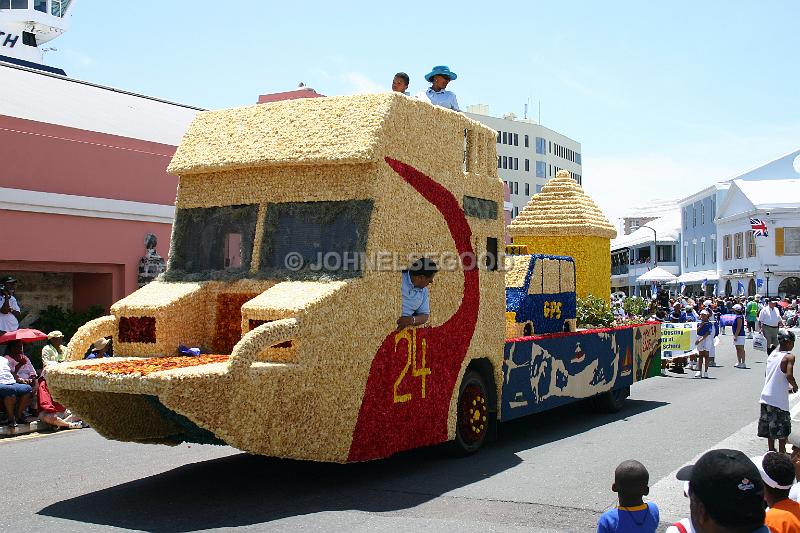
552, 310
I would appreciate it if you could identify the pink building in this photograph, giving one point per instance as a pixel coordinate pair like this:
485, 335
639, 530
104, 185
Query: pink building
82, 182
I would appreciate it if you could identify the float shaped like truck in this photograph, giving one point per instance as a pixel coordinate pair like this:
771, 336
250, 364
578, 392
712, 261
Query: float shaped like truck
293, 221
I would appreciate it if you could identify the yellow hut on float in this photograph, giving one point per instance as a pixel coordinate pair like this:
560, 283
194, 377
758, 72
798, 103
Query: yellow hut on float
563, 220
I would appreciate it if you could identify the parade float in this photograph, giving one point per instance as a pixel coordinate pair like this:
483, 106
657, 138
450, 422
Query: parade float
299, 352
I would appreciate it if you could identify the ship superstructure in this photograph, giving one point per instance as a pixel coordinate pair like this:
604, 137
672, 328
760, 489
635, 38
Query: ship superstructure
26, 25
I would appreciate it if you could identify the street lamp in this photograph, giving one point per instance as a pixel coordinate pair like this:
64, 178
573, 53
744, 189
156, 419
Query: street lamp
767, 274
655, 245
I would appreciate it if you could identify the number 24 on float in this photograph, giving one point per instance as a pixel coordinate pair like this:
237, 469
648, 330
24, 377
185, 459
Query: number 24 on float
410, 336
552, 310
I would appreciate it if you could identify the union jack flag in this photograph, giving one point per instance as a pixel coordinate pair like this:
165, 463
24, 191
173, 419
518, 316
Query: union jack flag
759, 227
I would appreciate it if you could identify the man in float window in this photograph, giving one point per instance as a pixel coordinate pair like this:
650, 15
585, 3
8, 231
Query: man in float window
437, 94
414, 291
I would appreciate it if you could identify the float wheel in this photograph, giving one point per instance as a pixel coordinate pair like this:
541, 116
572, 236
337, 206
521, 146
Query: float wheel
473, 415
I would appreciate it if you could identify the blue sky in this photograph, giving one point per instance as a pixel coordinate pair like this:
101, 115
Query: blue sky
665, 97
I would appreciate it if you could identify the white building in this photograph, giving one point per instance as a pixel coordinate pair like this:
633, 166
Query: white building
642, 214
768, 265
528, 154
699, 236
653, 244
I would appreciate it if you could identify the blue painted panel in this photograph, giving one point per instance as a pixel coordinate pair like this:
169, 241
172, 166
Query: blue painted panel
544, 373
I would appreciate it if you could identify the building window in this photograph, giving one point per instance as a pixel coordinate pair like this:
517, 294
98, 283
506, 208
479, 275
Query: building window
516, 139
686, 254
726, 248
713, 249
578, 158
791, 241
549, 147
516, 163
539, 145
499, 136
505, 138
694, 253
499, 161
527, 189
685, 218
703, 251
516, 188
527, 165
666, 253
738, 241
694, 217
549, 170
526, 142
505, 162
702, 213
538, 189
40, 5
751, 243
713, 207
540, 166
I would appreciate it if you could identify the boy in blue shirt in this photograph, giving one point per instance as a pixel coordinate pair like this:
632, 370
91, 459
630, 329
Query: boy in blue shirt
631, 481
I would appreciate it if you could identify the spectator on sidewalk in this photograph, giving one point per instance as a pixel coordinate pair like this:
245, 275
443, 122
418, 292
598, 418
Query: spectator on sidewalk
794, 441
751, 313
631, 480
53, 351
770, 320
775, 421
726, 493
16, 396
777, 473
739, 336
52, 412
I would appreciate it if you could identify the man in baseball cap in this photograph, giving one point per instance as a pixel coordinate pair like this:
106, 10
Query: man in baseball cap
726, 493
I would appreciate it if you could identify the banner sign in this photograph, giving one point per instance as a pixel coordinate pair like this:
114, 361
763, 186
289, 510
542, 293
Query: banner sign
677, 339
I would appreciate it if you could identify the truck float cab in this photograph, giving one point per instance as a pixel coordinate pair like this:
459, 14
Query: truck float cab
293, 222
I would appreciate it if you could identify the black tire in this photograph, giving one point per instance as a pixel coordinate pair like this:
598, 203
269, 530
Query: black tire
612, 401
473, 416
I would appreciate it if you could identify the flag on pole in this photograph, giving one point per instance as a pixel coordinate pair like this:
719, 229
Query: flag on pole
759, 227
703, 285
682, 287
759, 283
714, 292
653, 288
740, 288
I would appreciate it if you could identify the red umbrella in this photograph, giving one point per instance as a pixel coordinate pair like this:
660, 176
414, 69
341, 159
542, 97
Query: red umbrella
24, 335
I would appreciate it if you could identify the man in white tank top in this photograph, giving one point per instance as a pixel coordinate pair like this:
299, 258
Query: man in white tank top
775, 421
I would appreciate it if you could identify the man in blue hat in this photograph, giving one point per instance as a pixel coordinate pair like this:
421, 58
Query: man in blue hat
437, 94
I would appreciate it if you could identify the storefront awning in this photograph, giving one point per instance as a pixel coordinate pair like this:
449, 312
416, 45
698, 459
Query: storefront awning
698, 277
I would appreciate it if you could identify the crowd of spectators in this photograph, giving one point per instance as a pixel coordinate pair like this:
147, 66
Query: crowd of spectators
23, 388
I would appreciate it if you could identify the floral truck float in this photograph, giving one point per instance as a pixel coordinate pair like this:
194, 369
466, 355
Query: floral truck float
293, 221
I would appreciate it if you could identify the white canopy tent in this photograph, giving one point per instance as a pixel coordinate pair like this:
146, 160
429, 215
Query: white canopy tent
656, 275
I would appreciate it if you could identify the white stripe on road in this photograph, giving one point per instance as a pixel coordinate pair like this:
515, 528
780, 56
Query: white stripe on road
667, 492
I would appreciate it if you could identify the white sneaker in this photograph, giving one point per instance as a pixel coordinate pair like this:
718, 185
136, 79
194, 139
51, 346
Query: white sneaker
705, 374
698, 374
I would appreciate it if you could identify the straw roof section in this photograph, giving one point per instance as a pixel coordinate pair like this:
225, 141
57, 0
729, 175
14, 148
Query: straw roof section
562, 208
334, 130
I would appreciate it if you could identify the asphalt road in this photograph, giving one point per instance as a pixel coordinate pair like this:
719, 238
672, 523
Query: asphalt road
550, 472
